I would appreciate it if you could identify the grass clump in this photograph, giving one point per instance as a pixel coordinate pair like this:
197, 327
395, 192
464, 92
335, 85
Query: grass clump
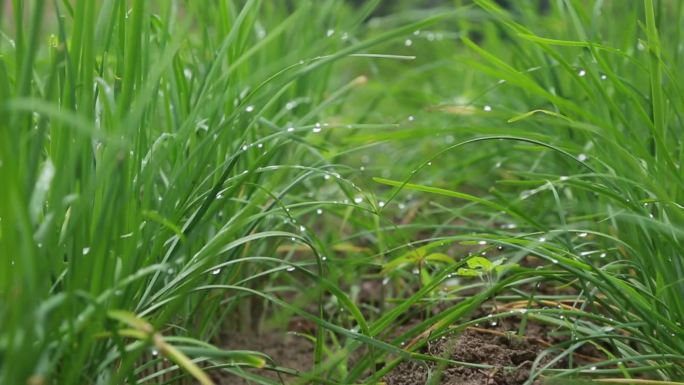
389, 174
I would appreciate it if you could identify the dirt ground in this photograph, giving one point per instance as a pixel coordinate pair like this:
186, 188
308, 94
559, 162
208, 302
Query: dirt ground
511, 356
473, 346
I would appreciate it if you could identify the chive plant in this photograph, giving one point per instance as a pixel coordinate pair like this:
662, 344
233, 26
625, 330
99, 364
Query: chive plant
572, 117
148, 150
171, 171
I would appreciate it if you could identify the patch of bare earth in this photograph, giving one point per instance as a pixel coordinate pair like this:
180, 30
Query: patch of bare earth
510, 357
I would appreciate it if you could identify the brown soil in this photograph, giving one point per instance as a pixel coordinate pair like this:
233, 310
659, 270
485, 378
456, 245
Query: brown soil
510, 356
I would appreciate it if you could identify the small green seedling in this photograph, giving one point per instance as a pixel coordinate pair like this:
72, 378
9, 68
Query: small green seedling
484, 268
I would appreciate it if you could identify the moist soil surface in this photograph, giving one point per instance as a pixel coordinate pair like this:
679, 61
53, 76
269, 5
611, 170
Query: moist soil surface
509, 356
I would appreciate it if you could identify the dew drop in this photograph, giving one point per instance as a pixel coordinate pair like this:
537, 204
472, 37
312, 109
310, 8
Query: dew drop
482, 243
582, 235
358, 199
215, 272
329, 32
604, 77
582, 157
487, 108
86, 250
249, 108
290, 129
302, 228
245, 147
381, 204
408, 42
319, 211
155, 352
290, 268
582, 72
261, 33
260, 145
411, 118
